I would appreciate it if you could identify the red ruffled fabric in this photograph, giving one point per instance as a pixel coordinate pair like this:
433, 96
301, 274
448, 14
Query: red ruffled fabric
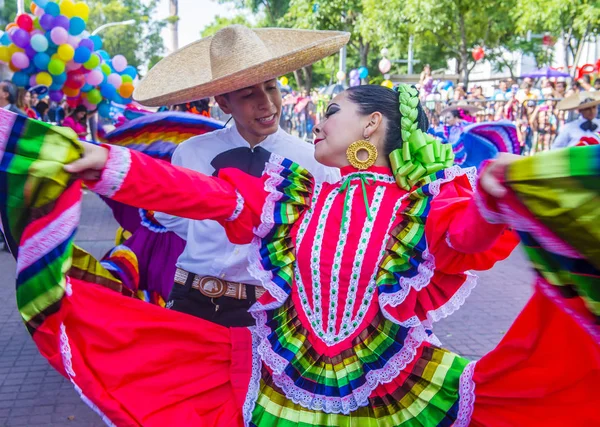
114, 333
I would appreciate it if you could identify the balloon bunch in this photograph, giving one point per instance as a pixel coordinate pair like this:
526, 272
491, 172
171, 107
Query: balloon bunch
51, 47
358, 74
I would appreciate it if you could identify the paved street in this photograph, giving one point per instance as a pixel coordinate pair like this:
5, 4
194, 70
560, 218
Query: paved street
33, 394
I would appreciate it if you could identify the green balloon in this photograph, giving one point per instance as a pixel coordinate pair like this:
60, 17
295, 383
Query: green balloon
56, 67
126, 78
92, 63
94, 96
105, 69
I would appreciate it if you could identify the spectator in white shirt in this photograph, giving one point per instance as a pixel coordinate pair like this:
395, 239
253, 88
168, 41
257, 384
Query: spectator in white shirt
586, 104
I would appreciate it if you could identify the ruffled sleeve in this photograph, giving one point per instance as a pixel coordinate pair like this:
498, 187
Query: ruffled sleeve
458, 236
424, 276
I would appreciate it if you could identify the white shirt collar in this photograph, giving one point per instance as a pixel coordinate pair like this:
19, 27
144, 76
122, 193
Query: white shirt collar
267, 142
7, 106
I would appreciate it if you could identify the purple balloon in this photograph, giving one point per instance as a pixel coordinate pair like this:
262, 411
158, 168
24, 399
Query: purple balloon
20, 38
30, 52
32, 81
353, 74
47, 21
87, 43
61, 21
56, 95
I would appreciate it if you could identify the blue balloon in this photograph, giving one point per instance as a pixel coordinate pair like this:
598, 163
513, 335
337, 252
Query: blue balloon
97, 42
20, 78
104, 109
131, 71
41, 3
30, 69
5, 39
118, 99
82, 55
363, 72
76, 26
41, 60
108, 91
52, 8
56, 86
103, 54
87, 87
60, 79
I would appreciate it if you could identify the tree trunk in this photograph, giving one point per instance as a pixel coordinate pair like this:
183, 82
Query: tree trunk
308, 74
566, 38
364, 53
173, 12
298, 75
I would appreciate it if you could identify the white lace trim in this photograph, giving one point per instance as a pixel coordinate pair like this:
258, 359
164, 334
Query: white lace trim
466, 393
255, 267
254, 385
377, 177
332, 404
450, 174
65, 351
114, 172
349, 325
238, 208
330, 335
145, 222
49, 237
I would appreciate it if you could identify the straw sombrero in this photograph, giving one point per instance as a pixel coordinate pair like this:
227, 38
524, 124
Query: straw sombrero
234, 58
579, 101
461, 105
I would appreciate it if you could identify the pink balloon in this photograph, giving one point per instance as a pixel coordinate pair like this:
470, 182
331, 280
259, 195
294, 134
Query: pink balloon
385, 65
115, 80
74, 40
71, 65
59, 35
95, 77
32, 81
20, 60
38, 11
119, 63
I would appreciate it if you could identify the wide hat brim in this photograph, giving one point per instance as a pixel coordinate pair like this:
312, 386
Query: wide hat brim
465, 107
580, 101
187, 74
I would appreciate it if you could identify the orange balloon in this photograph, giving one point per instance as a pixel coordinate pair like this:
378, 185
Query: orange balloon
13, 68
126, 90
70, 91
33, 7
11, 25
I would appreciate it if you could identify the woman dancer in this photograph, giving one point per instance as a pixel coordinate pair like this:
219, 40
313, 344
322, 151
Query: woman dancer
356, 272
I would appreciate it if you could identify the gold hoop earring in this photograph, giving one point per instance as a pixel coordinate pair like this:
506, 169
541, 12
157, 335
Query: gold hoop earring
358, 146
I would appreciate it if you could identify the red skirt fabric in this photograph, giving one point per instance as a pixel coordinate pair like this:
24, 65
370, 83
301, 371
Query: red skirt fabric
144, 365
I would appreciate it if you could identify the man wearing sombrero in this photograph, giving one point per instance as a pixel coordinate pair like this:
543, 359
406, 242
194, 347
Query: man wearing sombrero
239, 67
586, 104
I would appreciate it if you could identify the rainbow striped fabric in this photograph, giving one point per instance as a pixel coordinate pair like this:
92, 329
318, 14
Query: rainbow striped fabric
40, 206
159, 134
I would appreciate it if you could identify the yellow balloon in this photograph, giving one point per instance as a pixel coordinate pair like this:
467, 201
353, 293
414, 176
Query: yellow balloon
43, 78
13, 48
388, 84
284, 81
82, 10
4, 54
67, 8
65, 52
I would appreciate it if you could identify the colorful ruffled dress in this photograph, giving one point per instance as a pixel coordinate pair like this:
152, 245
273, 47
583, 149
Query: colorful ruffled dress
357, 273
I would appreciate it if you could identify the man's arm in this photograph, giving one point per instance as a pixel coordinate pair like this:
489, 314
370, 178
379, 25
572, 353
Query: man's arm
562, 139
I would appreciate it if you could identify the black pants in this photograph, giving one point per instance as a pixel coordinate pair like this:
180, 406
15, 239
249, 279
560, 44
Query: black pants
224, 310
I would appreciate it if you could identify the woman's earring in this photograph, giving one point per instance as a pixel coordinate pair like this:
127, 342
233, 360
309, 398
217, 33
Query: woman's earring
358, 146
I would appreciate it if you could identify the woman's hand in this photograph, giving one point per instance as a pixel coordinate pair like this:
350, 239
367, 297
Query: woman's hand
90, 165
493, 175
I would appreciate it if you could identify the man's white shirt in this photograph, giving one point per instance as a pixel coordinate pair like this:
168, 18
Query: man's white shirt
208, 252
571, 133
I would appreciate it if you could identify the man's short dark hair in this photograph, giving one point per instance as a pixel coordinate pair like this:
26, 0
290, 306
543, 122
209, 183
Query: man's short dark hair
10, 88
